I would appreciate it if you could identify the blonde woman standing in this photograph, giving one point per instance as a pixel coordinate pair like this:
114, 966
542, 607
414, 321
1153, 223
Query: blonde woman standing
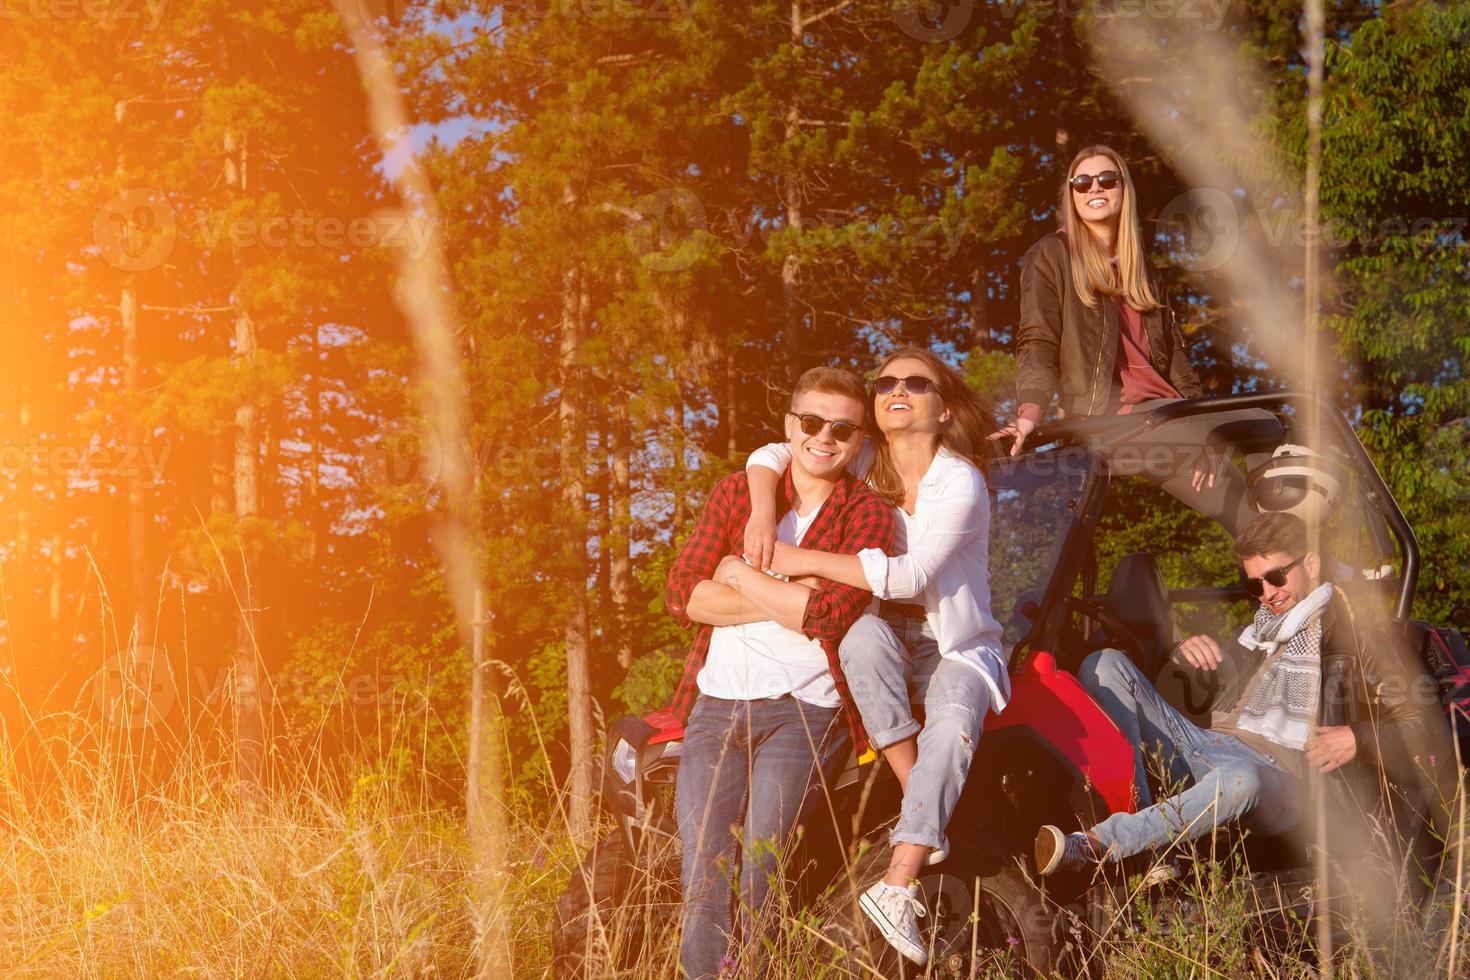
1098, 335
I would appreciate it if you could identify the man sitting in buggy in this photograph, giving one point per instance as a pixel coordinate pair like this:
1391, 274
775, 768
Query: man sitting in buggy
1313, 696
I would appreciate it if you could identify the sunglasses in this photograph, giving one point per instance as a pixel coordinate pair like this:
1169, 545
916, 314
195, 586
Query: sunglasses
814, 424
1276, 577
1107, 180
914, 384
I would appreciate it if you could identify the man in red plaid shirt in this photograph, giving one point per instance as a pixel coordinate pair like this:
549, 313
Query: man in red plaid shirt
768, 714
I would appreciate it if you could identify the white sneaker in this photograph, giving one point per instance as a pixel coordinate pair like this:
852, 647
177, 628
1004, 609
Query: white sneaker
940, 853
894, 910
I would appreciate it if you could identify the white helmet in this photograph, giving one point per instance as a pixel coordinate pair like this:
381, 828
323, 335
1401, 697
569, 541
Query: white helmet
1295, 480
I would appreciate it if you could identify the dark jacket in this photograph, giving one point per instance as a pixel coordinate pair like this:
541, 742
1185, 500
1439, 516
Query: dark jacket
1367, 686
1068, 349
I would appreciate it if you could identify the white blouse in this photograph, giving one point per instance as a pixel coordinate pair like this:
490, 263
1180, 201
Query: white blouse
945, 562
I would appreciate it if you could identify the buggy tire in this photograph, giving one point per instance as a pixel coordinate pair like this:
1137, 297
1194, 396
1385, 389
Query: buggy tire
1016, 932
598, 885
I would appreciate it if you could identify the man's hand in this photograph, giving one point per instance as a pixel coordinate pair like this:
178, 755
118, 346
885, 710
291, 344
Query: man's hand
1019, 430
760, 537
787, 560
1332, 747
728, 571
1202, 652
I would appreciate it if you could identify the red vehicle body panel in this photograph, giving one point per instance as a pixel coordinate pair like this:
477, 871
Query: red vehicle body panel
667, 725
1053, 704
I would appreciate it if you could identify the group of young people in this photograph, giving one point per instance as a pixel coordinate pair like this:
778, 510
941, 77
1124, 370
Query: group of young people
843, 577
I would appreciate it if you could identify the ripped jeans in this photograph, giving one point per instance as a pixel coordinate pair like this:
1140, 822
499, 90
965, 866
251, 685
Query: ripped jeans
884, 658
1227, 779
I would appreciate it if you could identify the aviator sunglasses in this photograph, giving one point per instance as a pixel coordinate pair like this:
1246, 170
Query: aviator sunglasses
1276, 577
813, 424
914, 384
1107, 180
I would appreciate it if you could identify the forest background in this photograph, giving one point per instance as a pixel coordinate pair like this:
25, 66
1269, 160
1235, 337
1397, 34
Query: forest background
223, 509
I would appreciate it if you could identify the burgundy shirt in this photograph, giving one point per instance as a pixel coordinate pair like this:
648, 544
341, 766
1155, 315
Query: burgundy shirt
1137, 379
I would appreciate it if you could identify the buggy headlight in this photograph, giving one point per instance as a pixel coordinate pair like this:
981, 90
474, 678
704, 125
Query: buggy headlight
624, 760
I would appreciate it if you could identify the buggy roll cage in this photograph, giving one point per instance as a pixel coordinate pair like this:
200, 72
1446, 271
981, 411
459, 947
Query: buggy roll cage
1101, 433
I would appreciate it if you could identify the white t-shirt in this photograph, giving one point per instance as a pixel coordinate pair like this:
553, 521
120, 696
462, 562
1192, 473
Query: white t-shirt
943, 560
765, 659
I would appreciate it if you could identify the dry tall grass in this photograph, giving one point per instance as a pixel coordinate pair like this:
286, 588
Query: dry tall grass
314, 877
325, 876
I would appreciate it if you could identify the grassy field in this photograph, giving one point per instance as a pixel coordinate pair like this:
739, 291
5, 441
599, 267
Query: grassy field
107, 874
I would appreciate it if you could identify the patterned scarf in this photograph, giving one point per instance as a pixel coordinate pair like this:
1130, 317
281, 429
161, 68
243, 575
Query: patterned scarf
1283, 707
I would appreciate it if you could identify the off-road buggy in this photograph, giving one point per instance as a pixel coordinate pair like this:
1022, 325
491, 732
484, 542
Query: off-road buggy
1070, 575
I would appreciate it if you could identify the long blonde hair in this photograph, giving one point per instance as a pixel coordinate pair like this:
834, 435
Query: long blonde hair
971, 420
1092, 272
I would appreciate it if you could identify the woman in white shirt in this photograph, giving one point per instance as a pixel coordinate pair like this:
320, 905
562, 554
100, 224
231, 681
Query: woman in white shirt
932, 631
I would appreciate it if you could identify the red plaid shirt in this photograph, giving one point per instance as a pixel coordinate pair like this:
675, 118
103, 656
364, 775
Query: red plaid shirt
852, 518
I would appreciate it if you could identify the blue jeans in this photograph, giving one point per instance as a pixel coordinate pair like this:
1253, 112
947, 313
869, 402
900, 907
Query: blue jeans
1228, 779
749, 773
884, 659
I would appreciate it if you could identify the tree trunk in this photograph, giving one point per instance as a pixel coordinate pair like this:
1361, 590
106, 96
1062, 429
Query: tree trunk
791, 195
980, 335
729, 413
58, 557
315, 518
618, 542
575, 303
140, 579
138, 548
249, 720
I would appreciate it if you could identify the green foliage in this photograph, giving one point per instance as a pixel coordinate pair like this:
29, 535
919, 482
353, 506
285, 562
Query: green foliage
1396, 130
650, 682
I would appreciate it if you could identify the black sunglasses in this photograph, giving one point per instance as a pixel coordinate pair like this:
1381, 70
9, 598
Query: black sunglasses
1276, 577
1107, 180
814, 424
914, 384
